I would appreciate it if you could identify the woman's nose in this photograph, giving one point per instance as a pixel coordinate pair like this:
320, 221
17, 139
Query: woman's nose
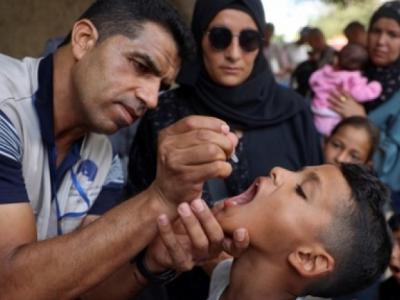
234, 51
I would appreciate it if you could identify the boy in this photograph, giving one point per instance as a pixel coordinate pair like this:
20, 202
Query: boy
311, 232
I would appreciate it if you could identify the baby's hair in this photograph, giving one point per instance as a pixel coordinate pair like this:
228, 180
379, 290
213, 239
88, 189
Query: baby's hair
352, 57
364, 123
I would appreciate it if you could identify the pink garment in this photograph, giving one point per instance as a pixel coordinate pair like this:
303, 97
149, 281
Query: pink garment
326, 80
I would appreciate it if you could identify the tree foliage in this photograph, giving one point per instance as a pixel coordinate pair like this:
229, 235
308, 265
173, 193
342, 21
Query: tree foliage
345, 3
338, 15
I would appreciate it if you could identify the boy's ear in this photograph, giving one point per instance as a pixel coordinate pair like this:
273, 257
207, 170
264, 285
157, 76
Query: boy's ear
313, 261
84, 36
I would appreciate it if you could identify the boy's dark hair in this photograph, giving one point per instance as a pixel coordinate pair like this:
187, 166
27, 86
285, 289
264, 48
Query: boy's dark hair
358, 238
126, 17
352, 57
394, 222
363, 123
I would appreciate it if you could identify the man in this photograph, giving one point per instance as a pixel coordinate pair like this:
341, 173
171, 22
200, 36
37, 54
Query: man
322, 53
57, 170
275, 55
311, 232
355, 33
297, 52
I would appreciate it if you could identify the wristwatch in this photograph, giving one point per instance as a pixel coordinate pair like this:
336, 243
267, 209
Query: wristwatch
154, 278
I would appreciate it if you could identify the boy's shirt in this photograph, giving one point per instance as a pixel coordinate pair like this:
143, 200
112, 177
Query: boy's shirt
220, 279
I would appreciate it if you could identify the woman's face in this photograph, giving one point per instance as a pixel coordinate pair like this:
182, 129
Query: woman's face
384, 42
230, 66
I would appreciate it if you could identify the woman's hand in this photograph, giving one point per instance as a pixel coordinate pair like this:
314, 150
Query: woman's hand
345, 105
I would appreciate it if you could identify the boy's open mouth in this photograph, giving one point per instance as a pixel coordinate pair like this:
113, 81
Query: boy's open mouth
245, 197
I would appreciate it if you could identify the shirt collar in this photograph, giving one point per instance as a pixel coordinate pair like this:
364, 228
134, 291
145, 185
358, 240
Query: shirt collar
43, 100
43, 103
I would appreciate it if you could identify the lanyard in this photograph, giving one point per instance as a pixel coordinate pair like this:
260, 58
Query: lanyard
77, 186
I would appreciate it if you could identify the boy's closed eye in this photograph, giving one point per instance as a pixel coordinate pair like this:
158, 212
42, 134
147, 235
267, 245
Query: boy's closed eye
300, 192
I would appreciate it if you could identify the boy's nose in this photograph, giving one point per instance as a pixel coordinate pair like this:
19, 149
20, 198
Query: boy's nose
277, 174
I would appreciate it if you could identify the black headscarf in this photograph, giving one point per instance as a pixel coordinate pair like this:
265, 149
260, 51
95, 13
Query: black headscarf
388, 76
257, 102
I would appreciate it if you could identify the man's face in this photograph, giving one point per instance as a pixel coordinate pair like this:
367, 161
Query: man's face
316, 41
117, 80
395, 258
288, 209
356, 36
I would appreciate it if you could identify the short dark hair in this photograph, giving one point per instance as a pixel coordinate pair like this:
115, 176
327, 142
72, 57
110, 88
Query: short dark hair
315, 31
126, 17
269, 26
364, 123
354, 25
358, 238
394, 222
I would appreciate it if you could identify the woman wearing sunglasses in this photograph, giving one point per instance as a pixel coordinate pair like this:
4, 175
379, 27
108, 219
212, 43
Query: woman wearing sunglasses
230, 80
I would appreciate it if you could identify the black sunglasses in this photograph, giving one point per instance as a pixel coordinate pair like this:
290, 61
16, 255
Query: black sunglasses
221, 37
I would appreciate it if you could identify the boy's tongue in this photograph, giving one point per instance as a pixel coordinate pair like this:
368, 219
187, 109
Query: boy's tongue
243, 198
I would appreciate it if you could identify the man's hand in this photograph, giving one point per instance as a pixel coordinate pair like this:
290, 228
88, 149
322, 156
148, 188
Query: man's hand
193, 240
190, 152
238, 243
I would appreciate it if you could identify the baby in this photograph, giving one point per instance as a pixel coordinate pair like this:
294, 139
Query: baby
345, 74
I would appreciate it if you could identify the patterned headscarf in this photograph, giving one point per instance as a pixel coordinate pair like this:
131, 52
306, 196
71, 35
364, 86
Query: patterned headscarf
388, 76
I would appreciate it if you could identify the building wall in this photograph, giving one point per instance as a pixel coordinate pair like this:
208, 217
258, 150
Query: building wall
26, 25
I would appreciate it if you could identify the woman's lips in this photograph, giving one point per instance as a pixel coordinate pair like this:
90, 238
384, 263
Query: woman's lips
379, 53
230, 70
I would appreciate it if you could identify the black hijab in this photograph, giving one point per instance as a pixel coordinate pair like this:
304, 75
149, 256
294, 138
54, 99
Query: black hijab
257, 102
388, 76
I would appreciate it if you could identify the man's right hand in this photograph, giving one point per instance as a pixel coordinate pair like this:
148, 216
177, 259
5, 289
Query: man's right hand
190, 152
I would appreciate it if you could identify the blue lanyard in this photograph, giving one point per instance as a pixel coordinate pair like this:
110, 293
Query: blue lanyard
78, 187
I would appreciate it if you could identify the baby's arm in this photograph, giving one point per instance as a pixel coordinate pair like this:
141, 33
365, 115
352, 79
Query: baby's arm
365, 91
